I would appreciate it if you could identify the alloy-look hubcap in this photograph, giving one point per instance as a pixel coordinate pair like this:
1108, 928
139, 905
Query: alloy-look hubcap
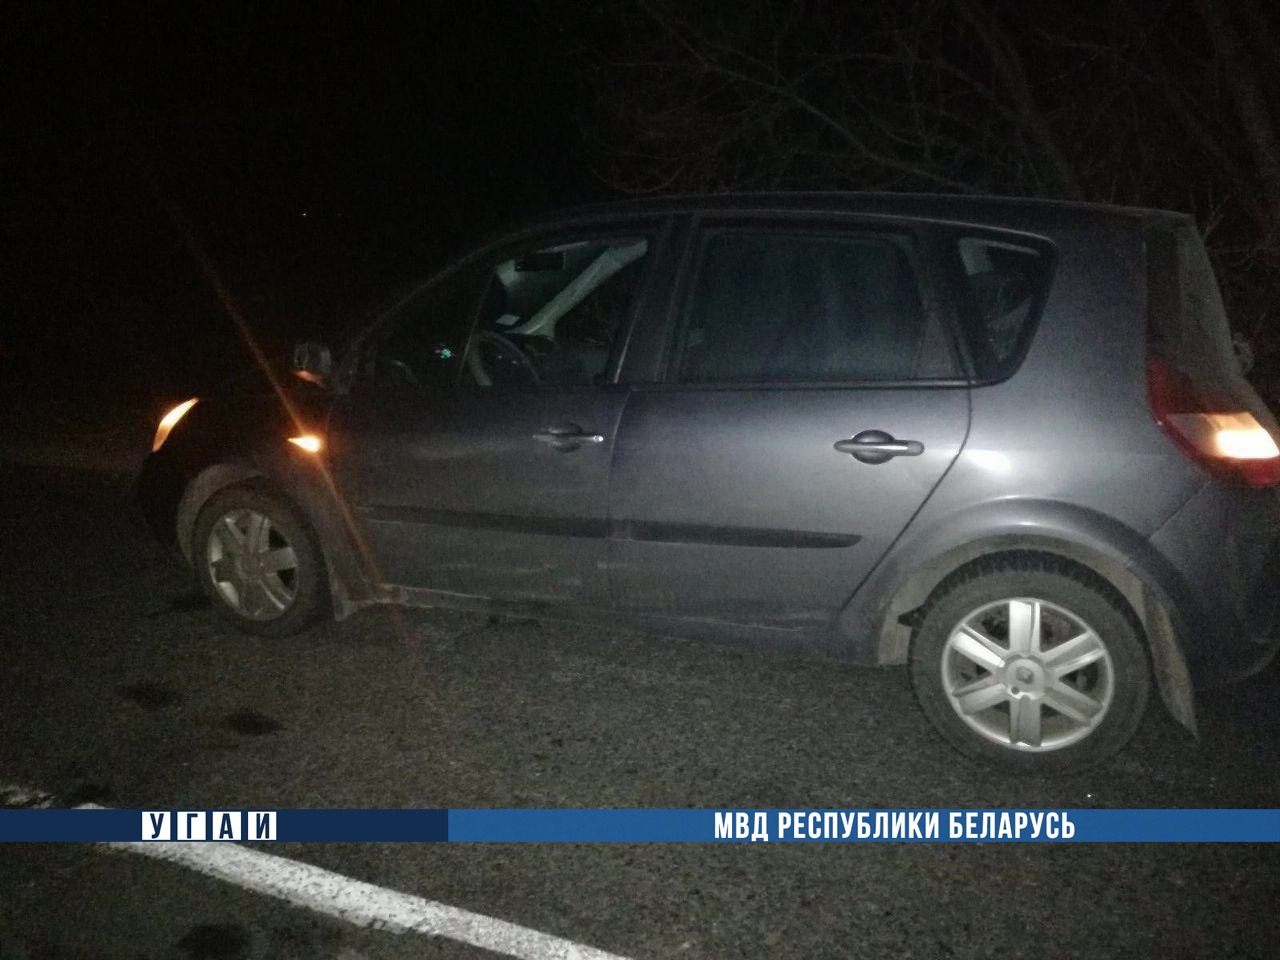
1027, 674
252, 565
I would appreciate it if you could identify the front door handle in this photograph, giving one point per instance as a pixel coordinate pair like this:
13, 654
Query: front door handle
876, 446
566, 437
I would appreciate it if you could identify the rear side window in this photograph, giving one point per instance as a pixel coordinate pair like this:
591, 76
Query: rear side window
1004, 287
788, 307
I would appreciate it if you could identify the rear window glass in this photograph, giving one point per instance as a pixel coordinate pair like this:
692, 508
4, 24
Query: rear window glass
1195, 335
786, 307
1005, 284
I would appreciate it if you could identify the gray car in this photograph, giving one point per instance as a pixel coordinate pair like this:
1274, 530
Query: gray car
1005, 442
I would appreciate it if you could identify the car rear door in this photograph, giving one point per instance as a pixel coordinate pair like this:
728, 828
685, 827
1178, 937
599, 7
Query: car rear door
475, 444
809, 403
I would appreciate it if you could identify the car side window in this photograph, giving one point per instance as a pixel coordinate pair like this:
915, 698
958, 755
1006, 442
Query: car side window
795, 307
556, 315
1005, 282
419, 347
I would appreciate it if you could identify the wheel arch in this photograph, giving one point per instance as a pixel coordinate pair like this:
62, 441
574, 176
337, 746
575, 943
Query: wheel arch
349, 589
201, 489
886, 608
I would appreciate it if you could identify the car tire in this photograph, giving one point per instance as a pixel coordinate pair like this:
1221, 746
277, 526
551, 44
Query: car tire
259, 562
1031, 664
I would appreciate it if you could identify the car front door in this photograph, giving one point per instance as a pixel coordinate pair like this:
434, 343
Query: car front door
475, 442
810, 405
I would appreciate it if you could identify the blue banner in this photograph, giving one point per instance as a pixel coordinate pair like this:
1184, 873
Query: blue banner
644, 826
861, 826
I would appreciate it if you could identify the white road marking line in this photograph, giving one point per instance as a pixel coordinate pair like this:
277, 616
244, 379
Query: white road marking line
354, 901
362, 904
12, 795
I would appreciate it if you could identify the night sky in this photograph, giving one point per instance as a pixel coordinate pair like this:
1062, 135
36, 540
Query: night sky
316, 160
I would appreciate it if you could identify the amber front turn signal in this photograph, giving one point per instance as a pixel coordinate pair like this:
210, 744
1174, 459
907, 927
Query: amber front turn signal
169, 421
308, 442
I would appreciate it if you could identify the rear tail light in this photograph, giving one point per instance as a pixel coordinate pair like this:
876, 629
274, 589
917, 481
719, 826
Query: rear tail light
1231, 444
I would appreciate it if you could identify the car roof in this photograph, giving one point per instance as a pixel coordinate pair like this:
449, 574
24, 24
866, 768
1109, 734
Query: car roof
1023, 213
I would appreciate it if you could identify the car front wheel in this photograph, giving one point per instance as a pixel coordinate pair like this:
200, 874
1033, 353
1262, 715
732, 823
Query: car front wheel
1031, 664
259, 562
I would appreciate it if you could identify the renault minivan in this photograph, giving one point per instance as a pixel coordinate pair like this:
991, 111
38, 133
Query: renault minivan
1005, 442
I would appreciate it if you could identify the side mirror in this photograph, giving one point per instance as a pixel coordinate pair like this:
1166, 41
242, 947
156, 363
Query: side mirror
313, 362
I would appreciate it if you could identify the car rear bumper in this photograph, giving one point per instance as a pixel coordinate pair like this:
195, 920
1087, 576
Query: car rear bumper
1224, 547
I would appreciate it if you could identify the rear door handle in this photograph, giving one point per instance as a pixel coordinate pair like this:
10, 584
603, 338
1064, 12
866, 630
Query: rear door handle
876, 446
566, 436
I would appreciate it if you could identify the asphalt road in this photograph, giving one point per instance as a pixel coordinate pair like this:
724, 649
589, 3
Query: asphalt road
116, 687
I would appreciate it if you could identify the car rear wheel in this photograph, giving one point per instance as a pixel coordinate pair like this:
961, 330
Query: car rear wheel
259, 562
1031, 664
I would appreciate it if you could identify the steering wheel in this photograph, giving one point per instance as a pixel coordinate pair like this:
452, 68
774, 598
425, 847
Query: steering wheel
507, 348
401, 369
